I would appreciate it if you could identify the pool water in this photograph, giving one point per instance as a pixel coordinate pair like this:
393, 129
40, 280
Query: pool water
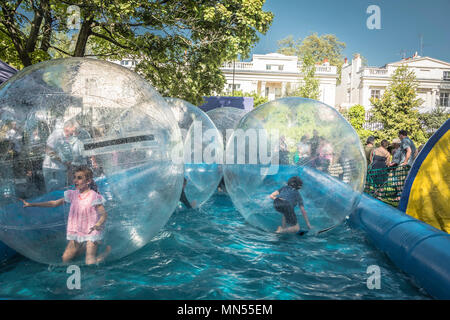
213, 253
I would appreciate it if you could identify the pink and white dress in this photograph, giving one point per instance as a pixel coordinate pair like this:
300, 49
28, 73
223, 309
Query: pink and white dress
83, 215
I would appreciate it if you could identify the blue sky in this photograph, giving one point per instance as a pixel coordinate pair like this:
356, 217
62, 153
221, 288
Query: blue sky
402, 23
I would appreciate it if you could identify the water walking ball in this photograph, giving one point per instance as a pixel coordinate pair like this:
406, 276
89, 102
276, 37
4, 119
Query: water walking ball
203, 150
225, 119
295, 137
61, 114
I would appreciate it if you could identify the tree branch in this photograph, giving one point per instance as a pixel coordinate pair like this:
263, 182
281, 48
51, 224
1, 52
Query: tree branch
34, 32
60, 50
102, 36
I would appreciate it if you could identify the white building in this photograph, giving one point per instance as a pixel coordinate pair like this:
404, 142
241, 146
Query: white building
273, 75
360, 83
127, 63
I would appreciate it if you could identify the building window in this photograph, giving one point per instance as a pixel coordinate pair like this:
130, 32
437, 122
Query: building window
267, 91
237, 86
376, 94
446, 75
275, 67
444, 99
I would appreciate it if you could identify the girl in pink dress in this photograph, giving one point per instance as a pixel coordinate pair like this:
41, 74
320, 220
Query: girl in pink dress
87, 216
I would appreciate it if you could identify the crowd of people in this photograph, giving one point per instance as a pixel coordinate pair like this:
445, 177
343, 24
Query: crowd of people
314, 151
400, 152
388, 165
320, 153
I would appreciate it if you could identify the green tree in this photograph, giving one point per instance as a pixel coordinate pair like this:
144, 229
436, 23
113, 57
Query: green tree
397, 108
309, 85
356, 116
179, 45
433, 120
288, 46
8, 53
326, 46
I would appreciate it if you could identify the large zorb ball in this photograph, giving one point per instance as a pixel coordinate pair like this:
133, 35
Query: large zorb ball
63, 113
226, 118
295, 137
203, 151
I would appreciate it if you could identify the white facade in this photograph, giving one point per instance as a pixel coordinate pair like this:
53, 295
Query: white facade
360, 83
127, 63
273, 75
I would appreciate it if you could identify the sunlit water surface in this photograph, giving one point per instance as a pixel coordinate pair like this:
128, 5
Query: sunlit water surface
213, 253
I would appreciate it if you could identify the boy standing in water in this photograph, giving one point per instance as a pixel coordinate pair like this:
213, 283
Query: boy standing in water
285, 200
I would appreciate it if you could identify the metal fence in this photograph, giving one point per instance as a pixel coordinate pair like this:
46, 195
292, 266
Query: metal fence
370, 123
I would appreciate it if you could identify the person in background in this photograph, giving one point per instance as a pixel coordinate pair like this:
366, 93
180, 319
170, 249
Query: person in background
325, 153
396, 153
397, 174
284, 153
380, 160
314, 143
408, 148
368, 148
15, 135
302, 155
58, 157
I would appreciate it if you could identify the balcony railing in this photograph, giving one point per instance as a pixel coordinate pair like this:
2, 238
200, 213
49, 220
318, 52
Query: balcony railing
375, 72
238, 65
325, 69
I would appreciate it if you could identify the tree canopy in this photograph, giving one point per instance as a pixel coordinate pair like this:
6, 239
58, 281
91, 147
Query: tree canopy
326, 46
398, 107
178, 45
309, 84
356, 116
431, 121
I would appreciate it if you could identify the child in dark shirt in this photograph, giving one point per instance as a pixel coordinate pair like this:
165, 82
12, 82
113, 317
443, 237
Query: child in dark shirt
285, 200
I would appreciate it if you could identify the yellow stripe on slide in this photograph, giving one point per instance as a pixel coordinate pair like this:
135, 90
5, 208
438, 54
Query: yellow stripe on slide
429, 198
